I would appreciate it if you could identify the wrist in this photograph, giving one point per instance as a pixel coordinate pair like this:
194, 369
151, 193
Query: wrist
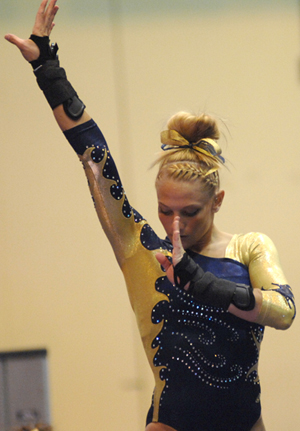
47, 51
52, 79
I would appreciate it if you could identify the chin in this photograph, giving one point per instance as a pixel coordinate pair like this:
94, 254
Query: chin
186, 244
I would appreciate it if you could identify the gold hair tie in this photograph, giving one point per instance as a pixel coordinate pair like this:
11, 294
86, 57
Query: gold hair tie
172, 140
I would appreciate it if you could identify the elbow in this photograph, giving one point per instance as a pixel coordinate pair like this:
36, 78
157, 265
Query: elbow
276, 317
284, 323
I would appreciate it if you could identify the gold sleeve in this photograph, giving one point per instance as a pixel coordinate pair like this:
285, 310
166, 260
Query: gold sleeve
121, 231
138, 263
258, 253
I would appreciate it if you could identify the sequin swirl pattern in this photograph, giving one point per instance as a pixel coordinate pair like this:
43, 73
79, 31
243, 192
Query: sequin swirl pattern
204, 346
199, 337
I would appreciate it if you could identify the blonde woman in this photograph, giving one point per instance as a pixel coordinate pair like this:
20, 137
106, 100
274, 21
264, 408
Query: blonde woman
201, 315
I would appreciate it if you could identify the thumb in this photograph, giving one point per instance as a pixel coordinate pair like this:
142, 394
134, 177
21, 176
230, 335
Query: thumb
15, 40
28, 48
163, 260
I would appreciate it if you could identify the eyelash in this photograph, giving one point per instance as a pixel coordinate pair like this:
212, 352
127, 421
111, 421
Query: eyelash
192, 214
166, 213
185, 213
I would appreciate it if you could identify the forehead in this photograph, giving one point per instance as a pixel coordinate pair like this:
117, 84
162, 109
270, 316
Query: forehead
172, 192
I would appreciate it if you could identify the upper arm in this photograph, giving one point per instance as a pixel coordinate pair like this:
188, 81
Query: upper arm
118, 220
278, 307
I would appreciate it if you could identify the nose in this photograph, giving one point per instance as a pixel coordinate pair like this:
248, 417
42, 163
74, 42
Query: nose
181, 224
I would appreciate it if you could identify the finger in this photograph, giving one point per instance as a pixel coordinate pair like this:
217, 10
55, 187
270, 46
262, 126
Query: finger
176, 229
42, 7
176, 233
50, 22
44, 19
51, 10
56, 9
167, 266
38, 28
163, 260
178, 250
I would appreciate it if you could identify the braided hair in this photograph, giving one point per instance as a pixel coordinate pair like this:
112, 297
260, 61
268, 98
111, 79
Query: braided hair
191, 151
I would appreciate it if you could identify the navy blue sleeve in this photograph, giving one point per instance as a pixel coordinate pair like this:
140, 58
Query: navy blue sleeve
84, 136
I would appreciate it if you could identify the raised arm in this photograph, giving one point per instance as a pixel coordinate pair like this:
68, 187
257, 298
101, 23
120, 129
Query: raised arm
37, 51
119, 221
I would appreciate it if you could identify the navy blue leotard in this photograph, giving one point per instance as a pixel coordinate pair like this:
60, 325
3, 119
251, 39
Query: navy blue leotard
204, 359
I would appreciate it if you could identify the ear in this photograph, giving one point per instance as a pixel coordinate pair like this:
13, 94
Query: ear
217, 201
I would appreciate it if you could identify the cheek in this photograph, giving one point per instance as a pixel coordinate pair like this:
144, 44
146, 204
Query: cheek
198, 225
193, 223
166, 222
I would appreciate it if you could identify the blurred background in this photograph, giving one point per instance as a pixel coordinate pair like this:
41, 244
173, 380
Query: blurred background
134, 64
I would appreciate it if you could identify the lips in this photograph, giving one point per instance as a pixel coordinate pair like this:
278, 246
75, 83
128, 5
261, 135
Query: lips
183, 238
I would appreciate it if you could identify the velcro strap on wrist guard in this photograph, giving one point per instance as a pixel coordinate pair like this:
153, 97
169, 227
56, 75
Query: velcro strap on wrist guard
211, 290
52, 80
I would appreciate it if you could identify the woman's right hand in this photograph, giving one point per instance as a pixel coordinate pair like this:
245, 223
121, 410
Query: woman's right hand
44, 23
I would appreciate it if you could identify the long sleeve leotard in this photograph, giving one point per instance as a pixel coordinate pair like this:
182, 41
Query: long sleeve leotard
204, 359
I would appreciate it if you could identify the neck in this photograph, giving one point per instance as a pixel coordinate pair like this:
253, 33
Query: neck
214, 244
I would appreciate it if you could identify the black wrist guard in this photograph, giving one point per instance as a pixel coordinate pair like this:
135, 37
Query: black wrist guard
52, 79
47, 51
211, 290
243, 297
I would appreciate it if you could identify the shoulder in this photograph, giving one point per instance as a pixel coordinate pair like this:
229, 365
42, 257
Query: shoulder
250, 246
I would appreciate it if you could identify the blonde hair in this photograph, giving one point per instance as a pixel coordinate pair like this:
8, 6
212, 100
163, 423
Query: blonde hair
192, 150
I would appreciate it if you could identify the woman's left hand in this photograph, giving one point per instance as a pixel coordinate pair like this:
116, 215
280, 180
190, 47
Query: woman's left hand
44, 23
177, 254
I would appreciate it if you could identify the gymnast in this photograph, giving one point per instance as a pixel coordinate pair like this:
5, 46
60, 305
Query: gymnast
201, 297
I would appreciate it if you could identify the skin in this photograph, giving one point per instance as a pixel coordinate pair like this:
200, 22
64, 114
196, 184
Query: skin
187, 214
195, 209
44, 24
185, 210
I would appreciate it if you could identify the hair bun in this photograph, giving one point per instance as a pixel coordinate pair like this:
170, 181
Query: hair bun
194, 128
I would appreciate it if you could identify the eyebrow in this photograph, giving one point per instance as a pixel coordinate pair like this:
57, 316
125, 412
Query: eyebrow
183, 208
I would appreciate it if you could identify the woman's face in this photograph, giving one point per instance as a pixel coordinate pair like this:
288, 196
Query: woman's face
193, 205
